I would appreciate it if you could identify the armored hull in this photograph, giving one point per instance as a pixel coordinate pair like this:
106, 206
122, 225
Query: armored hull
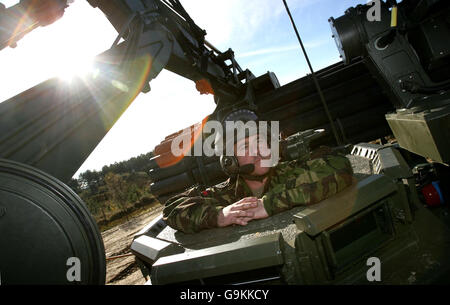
380, 216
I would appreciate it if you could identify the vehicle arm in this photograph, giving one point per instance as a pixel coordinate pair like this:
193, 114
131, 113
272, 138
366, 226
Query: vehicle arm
18, 20
165, 31
158, 32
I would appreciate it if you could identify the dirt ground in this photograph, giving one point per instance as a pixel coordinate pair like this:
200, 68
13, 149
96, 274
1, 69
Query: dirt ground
117, 241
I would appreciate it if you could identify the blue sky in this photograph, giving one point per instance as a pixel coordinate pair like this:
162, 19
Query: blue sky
261, 35
259, 32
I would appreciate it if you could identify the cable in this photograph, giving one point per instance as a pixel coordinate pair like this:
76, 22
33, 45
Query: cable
316, 82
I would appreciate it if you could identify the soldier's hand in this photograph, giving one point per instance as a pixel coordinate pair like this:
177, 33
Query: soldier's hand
237, 213
259, 212
245, 204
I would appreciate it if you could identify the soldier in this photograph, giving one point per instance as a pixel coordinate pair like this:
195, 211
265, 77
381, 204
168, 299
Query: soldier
254, 191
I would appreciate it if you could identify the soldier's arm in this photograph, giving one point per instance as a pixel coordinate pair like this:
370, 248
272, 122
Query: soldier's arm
194, 211
316, 180
191, 212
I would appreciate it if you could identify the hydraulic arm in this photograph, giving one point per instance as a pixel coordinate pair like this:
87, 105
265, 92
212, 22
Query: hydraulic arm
55, 126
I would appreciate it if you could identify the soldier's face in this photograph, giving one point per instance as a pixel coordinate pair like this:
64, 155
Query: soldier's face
253, 150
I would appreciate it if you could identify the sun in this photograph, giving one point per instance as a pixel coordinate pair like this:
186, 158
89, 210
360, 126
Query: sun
75, 67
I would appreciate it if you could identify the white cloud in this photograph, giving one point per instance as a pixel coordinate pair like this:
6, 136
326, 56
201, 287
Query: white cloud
268, 51
232, 20
280, 49
213, 16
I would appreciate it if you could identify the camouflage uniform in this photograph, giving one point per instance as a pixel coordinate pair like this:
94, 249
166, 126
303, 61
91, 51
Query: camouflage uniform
290, 184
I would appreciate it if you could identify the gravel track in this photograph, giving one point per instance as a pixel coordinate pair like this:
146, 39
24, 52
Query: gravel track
117, 241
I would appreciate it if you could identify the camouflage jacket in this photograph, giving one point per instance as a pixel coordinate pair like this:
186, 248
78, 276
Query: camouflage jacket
290, 184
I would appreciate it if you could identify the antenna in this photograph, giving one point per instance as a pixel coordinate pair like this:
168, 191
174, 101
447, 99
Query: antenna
316, 82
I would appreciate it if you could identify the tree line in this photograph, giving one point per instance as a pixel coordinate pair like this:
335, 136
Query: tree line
116, 190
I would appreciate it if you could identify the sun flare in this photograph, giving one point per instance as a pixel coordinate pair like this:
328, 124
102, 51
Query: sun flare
81, 67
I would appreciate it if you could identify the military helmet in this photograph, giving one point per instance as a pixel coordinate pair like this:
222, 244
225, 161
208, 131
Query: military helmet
229, 162
228, 128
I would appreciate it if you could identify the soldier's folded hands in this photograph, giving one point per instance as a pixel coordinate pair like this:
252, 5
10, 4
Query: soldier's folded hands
237, 213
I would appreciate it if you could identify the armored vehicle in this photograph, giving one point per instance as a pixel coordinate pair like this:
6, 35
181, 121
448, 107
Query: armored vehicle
380, 216
393, 220
386, 217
